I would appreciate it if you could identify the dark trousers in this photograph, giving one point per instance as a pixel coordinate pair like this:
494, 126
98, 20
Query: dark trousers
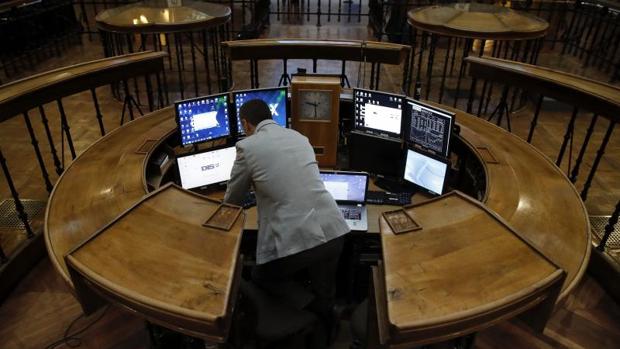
318, 265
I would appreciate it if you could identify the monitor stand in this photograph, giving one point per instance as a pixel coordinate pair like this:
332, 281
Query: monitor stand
391, 184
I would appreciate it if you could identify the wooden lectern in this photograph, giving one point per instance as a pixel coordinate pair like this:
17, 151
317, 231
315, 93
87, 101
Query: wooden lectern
314, 111
159, 261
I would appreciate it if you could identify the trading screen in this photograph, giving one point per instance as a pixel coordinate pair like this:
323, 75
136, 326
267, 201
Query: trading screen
429, 128
207, 168
346, 187
275, 99
425, 172
203, 119
378, 113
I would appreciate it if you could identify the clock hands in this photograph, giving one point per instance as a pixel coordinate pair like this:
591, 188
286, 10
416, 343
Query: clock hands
315, 105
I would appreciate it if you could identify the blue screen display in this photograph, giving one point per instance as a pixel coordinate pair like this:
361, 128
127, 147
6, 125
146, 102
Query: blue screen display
203, 119
275, 99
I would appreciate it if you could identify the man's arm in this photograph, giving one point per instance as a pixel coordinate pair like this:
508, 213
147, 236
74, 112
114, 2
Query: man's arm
240, 180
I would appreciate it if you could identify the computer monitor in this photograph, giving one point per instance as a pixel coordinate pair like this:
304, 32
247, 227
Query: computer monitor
428, 127
208, 168
276, 99
378, 113
425, 172
202, 119
374, 154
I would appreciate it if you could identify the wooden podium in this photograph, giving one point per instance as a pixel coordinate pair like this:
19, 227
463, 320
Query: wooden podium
315, 105
463, 269
159, 261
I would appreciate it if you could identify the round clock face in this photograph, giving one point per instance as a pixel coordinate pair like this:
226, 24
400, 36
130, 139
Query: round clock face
315, 105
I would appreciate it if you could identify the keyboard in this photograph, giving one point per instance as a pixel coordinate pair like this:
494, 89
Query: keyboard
353, 213
387, 198
249, 200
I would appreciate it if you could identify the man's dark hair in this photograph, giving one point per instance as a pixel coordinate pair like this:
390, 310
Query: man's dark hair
255, 111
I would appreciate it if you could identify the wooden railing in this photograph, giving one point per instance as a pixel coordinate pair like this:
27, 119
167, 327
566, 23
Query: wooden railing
371, 52
588, 98
130, 78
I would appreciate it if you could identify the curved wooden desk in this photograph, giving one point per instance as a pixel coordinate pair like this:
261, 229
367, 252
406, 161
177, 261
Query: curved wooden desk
523, 187
477, 21
157, 16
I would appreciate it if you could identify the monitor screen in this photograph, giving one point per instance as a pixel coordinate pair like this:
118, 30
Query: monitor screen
425, 172
275, 99
378, 113
203, 169
202, 119
429, 128
346, 186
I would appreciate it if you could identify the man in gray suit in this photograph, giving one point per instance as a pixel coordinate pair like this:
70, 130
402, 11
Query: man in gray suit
300, 228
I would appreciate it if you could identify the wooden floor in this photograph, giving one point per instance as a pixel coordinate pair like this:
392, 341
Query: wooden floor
42, 307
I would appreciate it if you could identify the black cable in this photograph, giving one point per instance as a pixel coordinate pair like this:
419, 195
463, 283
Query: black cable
71, 340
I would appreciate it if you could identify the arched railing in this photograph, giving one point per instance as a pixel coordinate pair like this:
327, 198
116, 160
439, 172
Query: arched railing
137, 86
593, 103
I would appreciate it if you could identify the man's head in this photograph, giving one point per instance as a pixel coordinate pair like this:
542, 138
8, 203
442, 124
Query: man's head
252, 113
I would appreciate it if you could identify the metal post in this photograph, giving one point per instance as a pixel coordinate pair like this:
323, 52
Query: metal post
98, 112
21, 213
567, 136
597, 160
37, 151
65, 126
48, 133
582, 151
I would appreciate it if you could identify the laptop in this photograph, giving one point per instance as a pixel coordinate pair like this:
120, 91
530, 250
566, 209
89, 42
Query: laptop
207, 169
349, 189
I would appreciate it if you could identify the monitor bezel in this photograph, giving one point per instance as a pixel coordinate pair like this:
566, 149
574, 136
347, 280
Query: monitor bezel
407, 126
375, 132
234, 106
423, 152
206, 186
178, 121
349, 202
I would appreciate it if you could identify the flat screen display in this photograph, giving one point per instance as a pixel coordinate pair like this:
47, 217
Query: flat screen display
429, 127
425, 172
203, 169
345, 186
202, 119
378, 113
275, 99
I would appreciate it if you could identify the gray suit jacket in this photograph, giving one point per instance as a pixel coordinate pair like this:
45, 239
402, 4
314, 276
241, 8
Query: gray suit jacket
295, 211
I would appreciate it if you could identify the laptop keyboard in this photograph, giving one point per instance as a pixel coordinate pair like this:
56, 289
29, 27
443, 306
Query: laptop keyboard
353, 213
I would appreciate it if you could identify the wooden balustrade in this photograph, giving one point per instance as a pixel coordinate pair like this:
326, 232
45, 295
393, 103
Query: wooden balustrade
130, 78
582, 94
371, 52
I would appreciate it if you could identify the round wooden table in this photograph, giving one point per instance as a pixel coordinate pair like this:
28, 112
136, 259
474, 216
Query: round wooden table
95, 218
185, 30
462, 28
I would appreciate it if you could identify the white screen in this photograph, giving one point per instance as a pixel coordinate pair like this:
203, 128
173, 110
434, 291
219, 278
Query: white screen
205, 120
339, 190
382, 118
425, 171
206, 168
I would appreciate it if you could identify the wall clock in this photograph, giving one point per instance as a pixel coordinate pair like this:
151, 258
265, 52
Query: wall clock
315, 105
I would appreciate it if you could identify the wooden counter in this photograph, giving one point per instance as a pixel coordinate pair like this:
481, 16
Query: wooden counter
524, 188
463, 271
158, 260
